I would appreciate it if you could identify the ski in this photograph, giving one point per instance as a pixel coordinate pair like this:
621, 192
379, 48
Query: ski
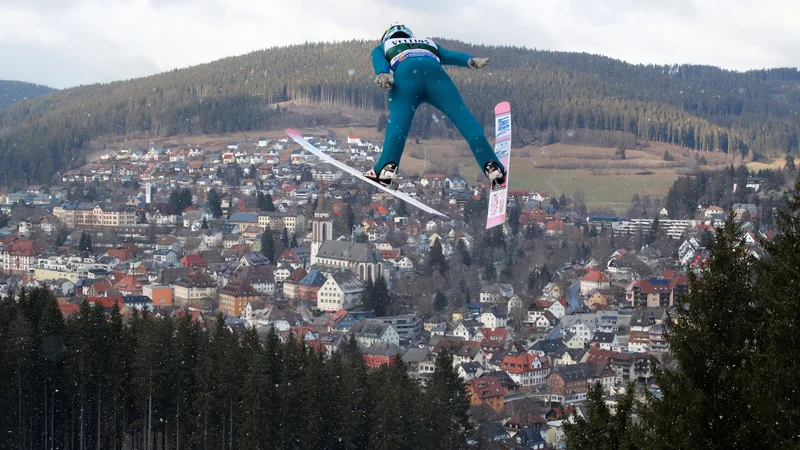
498, 196
297, 137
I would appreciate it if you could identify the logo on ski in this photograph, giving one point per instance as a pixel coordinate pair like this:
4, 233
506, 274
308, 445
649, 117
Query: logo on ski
503, 127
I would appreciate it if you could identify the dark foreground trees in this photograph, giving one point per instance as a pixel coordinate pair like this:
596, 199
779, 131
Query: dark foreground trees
734, 339
98, 380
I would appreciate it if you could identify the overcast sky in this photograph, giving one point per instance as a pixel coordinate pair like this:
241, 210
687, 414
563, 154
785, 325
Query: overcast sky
64, 43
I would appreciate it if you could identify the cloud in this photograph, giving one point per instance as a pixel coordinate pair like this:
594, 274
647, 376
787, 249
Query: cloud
67, 42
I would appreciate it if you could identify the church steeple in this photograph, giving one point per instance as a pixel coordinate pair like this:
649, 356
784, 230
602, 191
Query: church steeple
321, 228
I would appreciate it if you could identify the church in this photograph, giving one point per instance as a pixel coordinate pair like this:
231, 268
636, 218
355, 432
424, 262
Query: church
331, 255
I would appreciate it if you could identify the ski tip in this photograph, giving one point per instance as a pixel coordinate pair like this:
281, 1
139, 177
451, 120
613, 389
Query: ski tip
502, 108
293, 133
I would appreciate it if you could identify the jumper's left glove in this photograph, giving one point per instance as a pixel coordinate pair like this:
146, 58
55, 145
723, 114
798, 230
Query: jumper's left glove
479, 63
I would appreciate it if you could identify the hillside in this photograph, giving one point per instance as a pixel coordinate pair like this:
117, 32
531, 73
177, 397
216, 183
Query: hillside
697, 107
14, 91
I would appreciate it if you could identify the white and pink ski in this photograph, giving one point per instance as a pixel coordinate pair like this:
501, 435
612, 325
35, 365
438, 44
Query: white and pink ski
498, 196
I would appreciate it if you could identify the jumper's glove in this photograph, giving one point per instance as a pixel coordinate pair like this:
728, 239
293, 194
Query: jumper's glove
479, 63
384, 80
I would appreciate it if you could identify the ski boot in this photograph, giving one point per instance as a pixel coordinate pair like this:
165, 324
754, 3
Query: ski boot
386, 176
496, 175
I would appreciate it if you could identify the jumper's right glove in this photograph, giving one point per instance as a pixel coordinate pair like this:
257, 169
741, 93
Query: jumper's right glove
384, 80
479, 63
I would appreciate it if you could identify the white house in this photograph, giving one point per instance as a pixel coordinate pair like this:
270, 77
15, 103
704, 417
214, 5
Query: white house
494, 318
165, 256
368, 332
342, 290
463, 331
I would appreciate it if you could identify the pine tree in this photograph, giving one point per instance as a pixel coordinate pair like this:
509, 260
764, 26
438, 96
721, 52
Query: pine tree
778, 297
381, 297
439, 301
214, 203
489, 272
285, 237
368, 295
350, 219
447, 405
402, 209
268, 244
466, 257
713, 341
85, 243
293, 242
396, 419
204, 224
604, 429
436, 257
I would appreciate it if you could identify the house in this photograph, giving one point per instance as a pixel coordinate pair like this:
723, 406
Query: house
193, 262
380, 353
368, 332
496, 317
159, 295
260, 278
469, 370
594, 279
463, 331
604, 340
526, 369
488, 391
341, 290
597, 299
656, 292
282, 273
165, 256
129, 285
20, 257
194, 286
140, 302
235, 295
570, 384
292, 282
433, 180
408, 326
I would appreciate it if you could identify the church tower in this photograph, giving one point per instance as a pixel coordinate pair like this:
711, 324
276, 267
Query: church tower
321, 228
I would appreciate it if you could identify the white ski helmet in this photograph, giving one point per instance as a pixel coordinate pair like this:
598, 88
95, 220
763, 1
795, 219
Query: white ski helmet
396, 28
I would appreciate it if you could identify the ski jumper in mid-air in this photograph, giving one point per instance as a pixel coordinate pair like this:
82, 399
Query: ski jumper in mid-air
411, 68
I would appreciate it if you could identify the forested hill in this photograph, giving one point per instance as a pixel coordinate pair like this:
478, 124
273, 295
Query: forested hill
695, 106
14, 91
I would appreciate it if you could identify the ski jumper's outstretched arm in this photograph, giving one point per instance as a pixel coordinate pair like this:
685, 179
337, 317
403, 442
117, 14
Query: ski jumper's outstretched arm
450, 58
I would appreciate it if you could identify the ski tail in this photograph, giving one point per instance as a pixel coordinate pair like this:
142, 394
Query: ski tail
498, 196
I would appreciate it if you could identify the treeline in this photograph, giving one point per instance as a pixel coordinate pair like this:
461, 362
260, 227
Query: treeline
699, 107
99, 380
716, 188
737, 361
14, 91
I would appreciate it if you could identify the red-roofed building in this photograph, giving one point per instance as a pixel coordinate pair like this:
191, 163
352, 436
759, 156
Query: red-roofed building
19, 257
526, 369
487, 391
129, 285
194, 262
554, 228
98, 289
121, 254
106, 302
435, 180
594, 279
69, 309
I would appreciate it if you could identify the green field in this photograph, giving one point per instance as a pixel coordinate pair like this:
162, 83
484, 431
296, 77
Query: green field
601, 191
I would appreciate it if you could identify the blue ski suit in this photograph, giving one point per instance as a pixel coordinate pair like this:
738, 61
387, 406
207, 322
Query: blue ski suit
419, 79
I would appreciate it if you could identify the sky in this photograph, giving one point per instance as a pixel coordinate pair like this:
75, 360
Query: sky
64, 43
